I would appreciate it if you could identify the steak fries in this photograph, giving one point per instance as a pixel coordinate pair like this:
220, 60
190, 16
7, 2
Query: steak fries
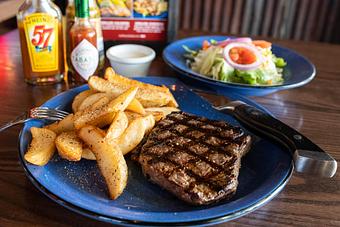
80, 135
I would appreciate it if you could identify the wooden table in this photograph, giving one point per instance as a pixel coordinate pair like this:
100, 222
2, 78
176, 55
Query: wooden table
313, 109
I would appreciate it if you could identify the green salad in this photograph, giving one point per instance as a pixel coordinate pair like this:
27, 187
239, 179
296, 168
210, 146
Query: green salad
239, 60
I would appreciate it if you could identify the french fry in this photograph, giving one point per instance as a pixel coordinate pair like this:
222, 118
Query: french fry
101, 85
94, 115
90, 100
69, 146
102, 131
88, 154
109, 158
134, 133
172, 102
117, 127
148, 95
136, 106
122, 101
166, 110
98, 104
158, 116
103, 115
42, 146
80, 98
160, 112
132, 115
115, 78
64, 125
109, 74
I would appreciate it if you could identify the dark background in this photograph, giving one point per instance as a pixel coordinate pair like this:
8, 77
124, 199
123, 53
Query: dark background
308, 20
311, 20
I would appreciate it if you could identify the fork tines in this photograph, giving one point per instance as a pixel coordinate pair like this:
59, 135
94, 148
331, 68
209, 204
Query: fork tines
47, 113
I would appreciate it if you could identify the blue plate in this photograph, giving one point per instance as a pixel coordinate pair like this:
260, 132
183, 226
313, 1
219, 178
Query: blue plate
80, 187
298, 72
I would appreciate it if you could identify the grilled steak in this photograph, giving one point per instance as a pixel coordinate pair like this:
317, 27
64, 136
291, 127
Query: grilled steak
194, 158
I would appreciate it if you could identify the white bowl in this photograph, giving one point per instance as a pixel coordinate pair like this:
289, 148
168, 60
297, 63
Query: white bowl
130, 59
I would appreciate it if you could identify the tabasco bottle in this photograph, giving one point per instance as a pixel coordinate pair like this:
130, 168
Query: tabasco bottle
41, 39
95, 21
83, 44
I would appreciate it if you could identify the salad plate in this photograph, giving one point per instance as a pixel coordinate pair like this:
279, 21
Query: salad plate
297, 72
80, 187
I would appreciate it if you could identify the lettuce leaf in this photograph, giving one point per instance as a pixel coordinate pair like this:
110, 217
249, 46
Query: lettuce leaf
226, 72
205, 60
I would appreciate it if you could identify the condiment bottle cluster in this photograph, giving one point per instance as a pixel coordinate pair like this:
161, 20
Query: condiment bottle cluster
42, 41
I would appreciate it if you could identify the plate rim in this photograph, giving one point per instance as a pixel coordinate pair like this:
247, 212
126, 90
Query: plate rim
102, 217
107, 219
203, 78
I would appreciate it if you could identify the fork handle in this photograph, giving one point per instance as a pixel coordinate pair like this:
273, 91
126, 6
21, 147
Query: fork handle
308, 157
19, 120
8, 125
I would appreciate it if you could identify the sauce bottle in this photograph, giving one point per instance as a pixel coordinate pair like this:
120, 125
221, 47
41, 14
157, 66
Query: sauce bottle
41, 39
95, 21
83, 44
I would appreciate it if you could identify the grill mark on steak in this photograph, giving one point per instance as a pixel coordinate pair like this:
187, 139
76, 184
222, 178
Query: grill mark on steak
193, 157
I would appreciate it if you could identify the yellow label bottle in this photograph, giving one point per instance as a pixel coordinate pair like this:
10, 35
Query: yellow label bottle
39, 23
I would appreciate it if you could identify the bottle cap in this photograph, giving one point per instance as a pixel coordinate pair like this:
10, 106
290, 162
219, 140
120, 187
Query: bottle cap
82, 8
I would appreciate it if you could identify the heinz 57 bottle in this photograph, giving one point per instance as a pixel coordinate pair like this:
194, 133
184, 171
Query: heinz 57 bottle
41, 39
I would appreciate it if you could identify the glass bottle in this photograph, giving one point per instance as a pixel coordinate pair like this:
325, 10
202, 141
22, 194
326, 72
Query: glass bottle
41, 39
70, 14
83, 44
95, 20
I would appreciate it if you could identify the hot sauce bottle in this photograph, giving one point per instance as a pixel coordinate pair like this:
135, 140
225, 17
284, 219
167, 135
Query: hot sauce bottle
41, 39
95, 21
83, 44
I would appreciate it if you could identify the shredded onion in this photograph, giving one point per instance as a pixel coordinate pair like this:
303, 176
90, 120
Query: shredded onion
236, 40
235, 65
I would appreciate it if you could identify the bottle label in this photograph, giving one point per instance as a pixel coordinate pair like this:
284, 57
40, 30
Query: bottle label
41, 31
84, 59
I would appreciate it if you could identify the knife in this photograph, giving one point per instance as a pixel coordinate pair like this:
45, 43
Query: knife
308, 157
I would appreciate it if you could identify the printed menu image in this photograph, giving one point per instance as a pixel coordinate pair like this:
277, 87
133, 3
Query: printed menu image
134, 19
147, 8
115, 8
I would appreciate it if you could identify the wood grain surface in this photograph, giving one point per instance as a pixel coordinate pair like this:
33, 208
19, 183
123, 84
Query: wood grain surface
313, 109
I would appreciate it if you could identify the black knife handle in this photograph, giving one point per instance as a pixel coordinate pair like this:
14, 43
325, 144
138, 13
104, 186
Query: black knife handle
308, 157
266, 124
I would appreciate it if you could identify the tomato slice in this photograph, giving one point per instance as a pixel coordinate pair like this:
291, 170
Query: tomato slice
242, 55
262, 43
205, 44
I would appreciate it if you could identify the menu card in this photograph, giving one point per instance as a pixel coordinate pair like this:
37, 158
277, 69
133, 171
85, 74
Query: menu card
138, 20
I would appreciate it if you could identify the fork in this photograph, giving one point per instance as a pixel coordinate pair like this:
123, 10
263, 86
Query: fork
43, 113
